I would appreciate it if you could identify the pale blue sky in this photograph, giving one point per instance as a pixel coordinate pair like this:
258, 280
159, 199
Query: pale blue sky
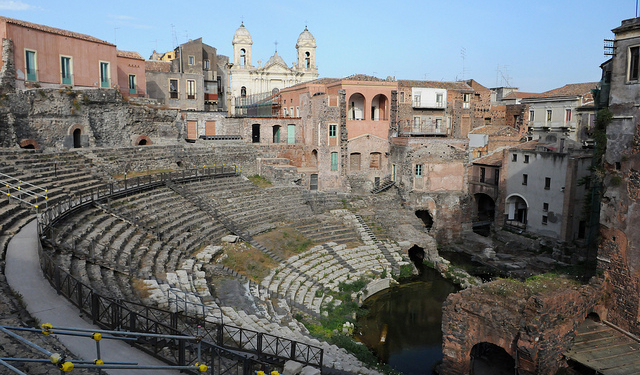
538, 44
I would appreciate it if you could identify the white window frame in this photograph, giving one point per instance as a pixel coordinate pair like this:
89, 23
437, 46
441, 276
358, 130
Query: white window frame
418, 170
70, 68
194, 89
35, 63
191, 60
629, 80
108, 72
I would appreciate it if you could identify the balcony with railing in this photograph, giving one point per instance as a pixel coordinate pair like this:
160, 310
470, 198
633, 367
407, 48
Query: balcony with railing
422, 129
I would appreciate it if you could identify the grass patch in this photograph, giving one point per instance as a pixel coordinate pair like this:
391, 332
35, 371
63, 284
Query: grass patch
285, 241
539, 284
260, 181
247, 260
141, 289
133, 174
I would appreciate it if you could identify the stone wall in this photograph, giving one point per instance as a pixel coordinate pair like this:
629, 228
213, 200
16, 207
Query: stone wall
534, 322
50, 116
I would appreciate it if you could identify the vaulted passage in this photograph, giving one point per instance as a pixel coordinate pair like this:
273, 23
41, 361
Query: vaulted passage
426, 218
490, 359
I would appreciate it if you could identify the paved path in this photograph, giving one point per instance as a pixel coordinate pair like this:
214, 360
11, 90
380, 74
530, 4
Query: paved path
25, 277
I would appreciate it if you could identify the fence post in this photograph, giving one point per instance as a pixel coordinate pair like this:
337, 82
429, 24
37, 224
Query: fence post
293, 350
181, 352
259, 343
95, 307
56, 279
79, 294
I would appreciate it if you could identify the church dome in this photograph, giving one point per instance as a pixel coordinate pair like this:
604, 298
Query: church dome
275, 59
242, 36
306, 39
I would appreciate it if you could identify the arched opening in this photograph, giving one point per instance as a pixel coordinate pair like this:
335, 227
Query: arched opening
594, 316
307, 60
243, 92
426, 218
314, 158
255, 133
485, 213
29, 144
490, 359
243, 57
356, 107
142, 140
417, 255
516, 212
77, 138
276, 134
379, 108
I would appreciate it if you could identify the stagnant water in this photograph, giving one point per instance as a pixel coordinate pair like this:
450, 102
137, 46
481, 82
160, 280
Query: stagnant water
408, 316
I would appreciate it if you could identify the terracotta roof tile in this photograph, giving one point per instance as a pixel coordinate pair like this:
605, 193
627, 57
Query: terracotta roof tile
494, 130
531, 145
130, 55
494, 159
54, 30
575, 89
157, 66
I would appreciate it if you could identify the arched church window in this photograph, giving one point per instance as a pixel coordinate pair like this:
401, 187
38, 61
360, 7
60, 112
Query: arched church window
243, 57
307, 60
243, 92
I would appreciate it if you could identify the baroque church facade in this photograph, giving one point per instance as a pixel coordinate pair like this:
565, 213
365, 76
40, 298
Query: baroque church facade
247, 80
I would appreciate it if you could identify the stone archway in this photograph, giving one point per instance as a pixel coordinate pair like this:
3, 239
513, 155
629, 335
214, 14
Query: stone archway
490, 359
142, 140
29, 144
76, 134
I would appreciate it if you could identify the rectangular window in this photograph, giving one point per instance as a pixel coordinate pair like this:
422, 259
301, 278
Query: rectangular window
30, 65
402, 97
549, 114
531, 115
416, 100
545, 207
65, 70
416, 121
547, 183
191, 89
526, 158
333, 130
439, 98
418, 170
132, 84
634, 63
544, 219
297, 111
205, 64
104, 75
393, 172
438, 124
482, 174
567, 115
514, 157
334, 161
525, 179
192, 60
466, 99
173, 88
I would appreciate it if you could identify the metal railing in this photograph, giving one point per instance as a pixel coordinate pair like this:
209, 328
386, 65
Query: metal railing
23, 191
123, 315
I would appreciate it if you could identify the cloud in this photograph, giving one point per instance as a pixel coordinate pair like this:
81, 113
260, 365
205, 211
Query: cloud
121, 17
15, 5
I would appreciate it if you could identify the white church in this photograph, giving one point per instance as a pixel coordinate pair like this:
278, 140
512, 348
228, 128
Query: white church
246, 80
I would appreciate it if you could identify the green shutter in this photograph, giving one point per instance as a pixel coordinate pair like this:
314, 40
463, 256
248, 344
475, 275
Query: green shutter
291, 134
65, 64
104, 74
30, 58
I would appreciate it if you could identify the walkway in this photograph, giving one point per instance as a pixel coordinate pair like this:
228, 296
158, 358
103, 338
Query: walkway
25, 277
605, 349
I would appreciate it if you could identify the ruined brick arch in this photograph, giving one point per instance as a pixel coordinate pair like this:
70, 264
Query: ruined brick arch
427, 212
75, 127
142, 140
29, 144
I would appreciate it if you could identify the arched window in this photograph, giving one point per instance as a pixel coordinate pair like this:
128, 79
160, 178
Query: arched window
307, 60
77, 138
243, 92
243, 57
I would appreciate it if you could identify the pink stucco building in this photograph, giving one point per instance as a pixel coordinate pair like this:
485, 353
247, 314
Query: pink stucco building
45, 56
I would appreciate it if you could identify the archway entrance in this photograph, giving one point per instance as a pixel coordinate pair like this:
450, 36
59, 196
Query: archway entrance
143, 142
426, 218
490, 359
77, 138
517, 209
485, 214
